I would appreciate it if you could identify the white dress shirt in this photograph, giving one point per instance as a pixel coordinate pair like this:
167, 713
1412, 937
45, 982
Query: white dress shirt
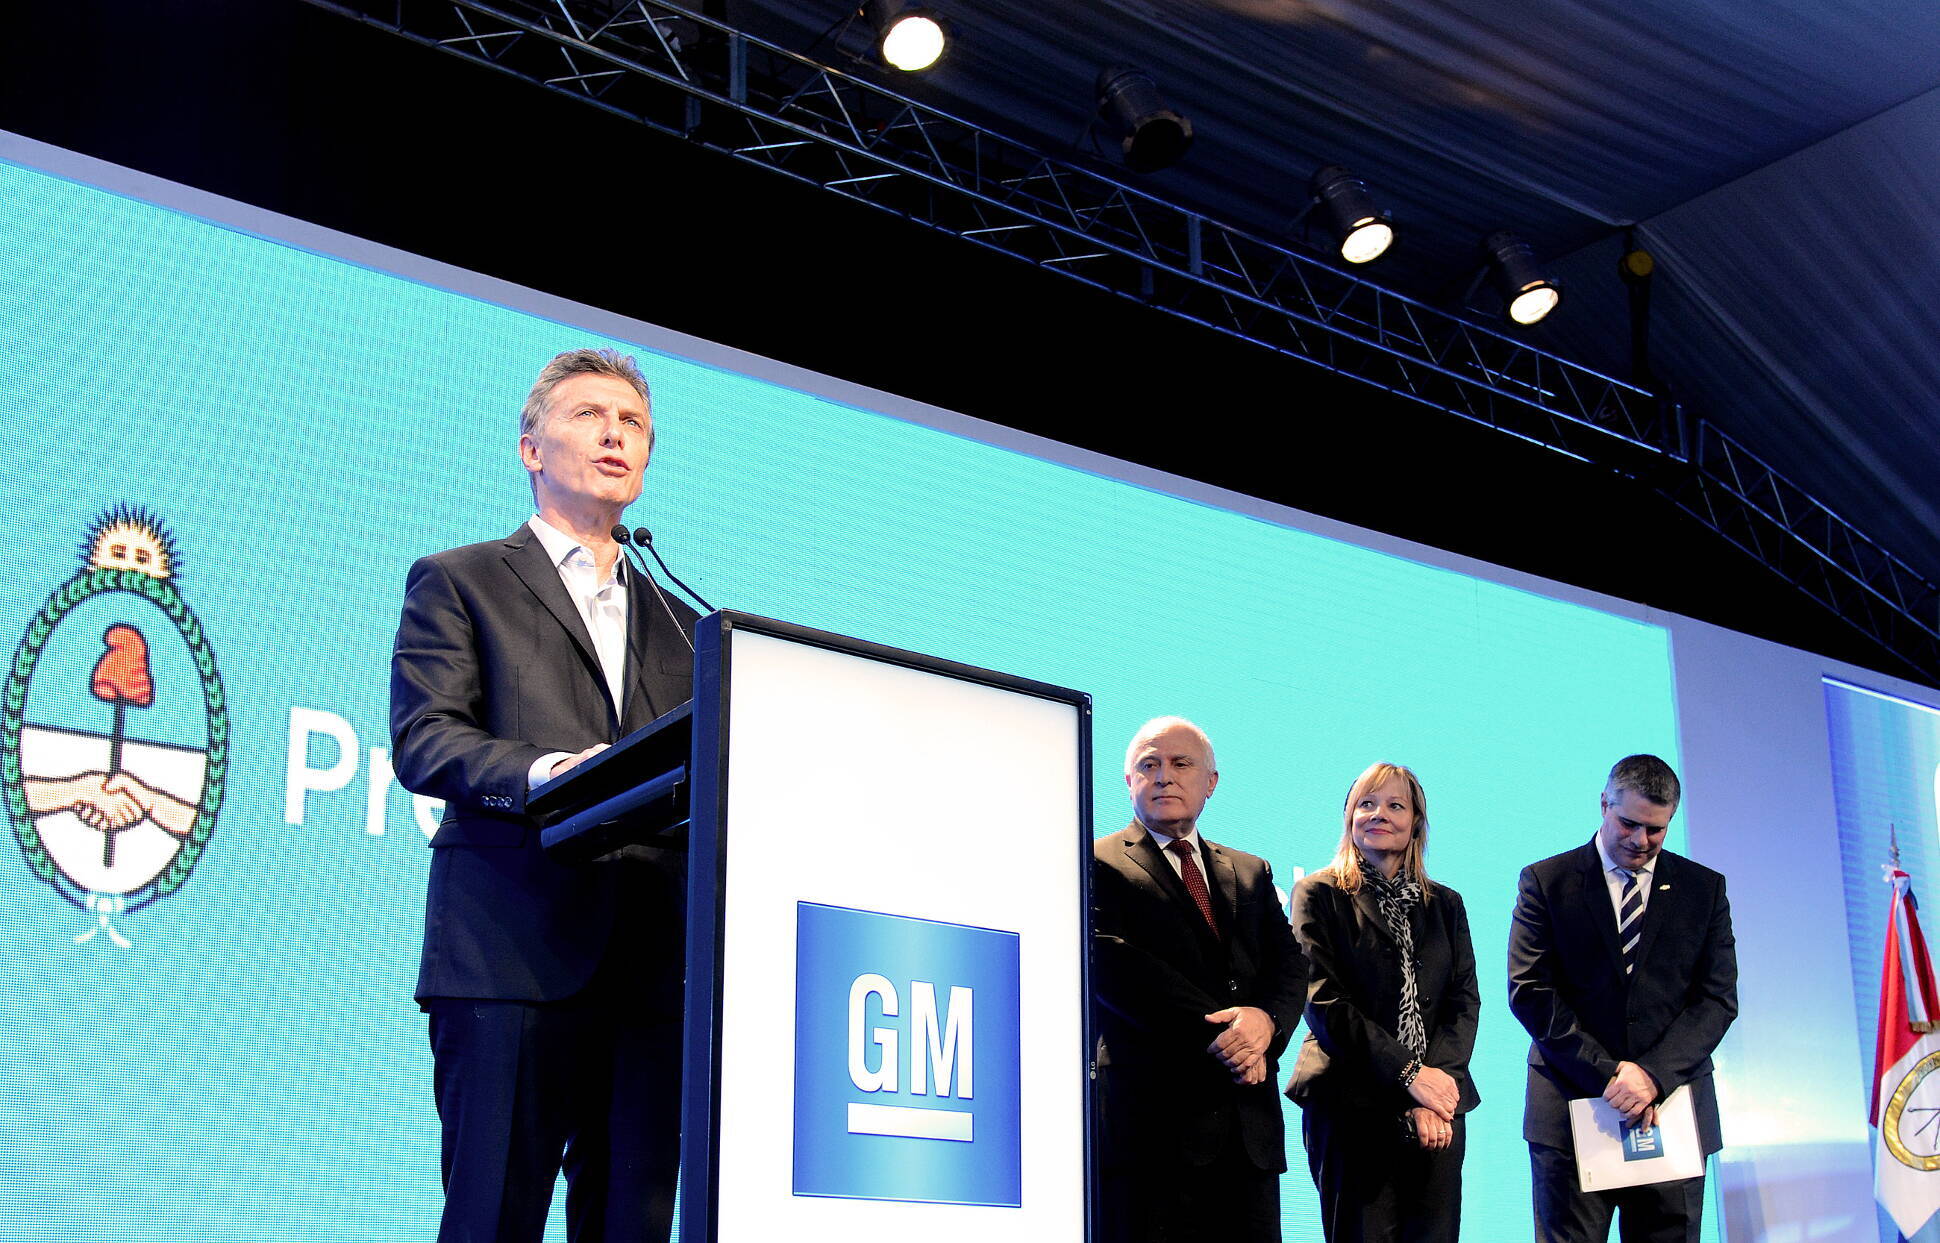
1191, 839
1613, 880
602, 606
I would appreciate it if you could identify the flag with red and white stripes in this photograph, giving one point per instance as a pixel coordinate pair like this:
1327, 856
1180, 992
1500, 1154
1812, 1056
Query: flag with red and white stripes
1906, 1106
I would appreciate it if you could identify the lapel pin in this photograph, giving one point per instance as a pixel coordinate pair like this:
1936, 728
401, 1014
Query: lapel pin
1661, 888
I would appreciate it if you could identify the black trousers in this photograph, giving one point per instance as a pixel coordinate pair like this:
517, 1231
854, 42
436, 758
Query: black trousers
590, 1086
1375, 1184
1160, 1199
1656, 1213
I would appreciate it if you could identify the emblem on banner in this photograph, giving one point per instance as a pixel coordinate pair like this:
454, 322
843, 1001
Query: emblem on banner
1908, 1129
114, 734
907, 1049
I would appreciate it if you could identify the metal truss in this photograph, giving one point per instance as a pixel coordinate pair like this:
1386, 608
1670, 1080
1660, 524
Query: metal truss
1737, 494
695, 77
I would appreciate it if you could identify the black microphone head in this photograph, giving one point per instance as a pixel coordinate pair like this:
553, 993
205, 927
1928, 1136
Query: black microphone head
643, 535
619, 534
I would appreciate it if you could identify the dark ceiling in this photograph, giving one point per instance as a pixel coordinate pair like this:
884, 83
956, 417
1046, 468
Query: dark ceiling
1777, 160
1780, 160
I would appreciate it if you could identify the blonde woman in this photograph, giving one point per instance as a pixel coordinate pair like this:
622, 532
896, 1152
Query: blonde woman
1382, 1080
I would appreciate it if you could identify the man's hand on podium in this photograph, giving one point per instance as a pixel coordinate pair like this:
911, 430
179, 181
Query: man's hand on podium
573, 761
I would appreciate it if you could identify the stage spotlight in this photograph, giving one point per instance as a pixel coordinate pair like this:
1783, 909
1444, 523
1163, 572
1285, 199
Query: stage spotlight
1527, 294
1152, 135
1364, 231
909, 37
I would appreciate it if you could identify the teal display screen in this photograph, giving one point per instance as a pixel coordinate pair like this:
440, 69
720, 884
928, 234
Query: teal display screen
209, 1031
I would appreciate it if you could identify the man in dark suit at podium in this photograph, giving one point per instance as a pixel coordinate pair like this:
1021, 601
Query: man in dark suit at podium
553, 991
1623, 968
1198, 986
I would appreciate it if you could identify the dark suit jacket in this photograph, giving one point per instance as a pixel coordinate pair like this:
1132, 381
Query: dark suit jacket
1567, 986
492, 669
1157, 971
1351, 1056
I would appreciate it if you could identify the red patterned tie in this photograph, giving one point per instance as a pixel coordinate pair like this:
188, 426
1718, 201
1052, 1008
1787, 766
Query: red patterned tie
1195, 881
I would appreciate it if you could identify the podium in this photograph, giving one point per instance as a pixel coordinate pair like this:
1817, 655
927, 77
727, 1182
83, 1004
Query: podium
887, 934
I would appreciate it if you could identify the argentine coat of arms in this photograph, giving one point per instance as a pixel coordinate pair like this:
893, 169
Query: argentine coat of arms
114, 733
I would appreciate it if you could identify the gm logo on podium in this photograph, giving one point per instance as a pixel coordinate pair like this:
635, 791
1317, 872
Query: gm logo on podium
907, 1038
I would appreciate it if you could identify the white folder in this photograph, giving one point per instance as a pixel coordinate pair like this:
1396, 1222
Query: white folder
1611, 1154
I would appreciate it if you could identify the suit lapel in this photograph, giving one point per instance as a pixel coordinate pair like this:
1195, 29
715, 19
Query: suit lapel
1370, 909
1143, 849
641, 610
1662, 905
1225, 885
526, 557
1593, 901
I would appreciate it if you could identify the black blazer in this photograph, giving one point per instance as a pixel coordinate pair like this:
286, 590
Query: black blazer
1157, 971
1567, 986
492, 669
1351, 1056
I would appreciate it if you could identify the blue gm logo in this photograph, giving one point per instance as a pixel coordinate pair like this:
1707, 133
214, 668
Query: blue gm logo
906, 1059
1642, 1143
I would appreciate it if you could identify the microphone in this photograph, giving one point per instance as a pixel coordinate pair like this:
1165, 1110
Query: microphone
645, 538
625, 541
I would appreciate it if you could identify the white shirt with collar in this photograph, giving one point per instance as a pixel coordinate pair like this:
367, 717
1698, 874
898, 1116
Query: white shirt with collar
1191, 839
602, 606
1613, 880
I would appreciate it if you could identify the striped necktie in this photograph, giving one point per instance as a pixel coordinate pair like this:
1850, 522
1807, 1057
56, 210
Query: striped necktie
1630, 906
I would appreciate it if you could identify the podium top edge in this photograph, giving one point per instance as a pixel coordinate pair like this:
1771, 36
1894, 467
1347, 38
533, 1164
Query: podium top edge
722, 623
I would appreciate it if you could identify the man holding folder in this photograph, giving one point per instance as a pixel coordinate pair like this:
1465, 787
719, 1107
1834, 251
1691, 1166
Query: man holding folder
1623, 968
